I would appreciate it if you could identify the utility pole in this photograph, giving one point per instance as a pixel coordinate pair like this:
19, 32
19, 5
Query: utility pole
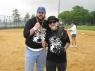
60, 20
58, 7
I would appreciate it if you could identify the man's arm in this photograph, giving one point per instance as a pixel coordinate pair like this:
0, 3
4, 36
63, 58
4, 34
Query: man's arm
66, 46
32, 30
45, 42
67, 41
27, 28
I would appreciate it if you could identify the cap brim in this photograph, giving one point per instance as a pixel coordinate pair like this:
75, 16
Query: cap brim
41, 11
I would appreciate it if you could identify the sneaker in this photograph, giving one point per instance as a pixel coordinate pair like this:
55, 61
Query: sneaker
75, 46
71, 46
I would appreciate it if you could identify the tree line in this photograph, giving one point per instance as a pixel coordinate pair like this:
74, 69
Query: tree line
17, 16
79, 15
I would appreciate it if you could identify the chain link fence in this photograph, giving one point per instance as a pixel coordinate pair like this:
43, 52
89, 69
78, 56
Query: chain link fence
8, 22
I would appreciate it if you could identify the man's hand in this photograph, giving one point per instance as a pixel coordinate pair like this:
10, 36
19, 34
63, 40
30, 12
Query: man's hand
66, 46
37, 25
44, 44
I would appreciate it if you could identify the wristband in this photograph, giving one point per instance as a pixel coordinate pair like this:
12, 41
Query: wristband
34, 28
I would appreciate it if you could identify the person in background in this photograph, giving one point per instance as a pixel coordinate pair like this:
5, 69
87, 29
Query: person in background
57, 41
34, 32
73, 31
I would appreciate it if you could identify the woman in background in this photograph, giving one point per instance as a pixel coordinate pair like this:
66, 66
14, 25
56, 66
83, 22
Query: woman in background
73, 31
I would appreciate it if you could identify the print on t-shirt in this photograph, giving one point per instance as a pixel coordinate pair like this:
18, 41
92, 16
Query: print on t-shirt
39, 36
55, 45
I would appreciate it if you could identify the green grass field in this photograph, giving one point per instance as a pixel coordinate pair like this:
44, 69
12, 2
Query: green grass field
86, 27
83, 27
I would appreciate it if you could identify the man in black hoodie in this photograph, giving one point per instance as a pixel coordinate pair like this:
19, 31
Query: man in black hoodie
34, 32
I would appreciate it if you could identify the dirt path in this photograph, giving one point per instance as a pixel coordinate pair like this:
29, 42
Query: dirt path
12, 51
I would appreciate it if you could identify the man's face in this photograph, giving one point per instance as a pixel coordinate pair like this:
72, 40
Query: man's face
53, 24
40, 15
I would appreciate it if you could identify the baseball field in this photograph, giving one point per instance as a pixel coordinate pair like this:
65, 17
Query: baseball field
12, 48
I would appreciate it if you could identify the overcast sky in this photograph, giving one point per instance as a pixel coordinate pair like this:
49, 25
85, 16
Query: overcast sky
30, 6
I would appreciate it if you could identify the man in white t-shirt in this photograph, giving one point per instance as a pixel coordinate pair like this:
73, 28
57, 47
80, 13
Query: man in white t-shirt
73, 30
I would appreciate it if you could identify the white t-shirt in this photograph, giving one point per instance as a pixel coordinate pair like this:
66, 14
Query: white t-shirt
34, 49
73, 29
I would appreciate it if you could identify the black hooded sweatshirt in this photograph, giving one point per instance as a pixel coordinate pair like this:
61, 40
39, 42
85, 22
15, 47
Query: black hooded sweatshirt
30, 40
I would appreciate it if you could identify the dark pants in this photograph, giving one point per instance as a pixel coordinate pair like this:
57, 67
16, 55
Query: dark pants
51, 66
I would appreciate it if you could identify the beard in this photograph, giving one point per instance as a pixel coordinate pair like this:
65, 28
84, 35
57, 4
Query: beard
53, 27
40, 18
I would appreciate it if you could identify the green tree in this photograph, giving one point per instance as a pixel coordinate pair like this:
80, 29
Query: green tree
79, 14
65, 15
27, 17
92, 14
16, 15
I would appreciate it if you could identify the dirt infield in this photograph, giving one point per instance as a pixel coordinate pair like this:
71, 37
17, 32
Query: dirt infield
81, 58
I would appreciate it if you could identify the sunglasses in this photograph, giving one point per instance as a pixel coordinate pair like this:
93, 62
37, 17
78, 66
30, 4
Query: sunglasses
50, 22
41, 12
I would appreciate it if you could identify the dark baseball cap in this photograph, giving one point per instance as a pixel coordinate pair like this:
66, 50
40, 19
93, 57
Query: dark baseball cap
41, 9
